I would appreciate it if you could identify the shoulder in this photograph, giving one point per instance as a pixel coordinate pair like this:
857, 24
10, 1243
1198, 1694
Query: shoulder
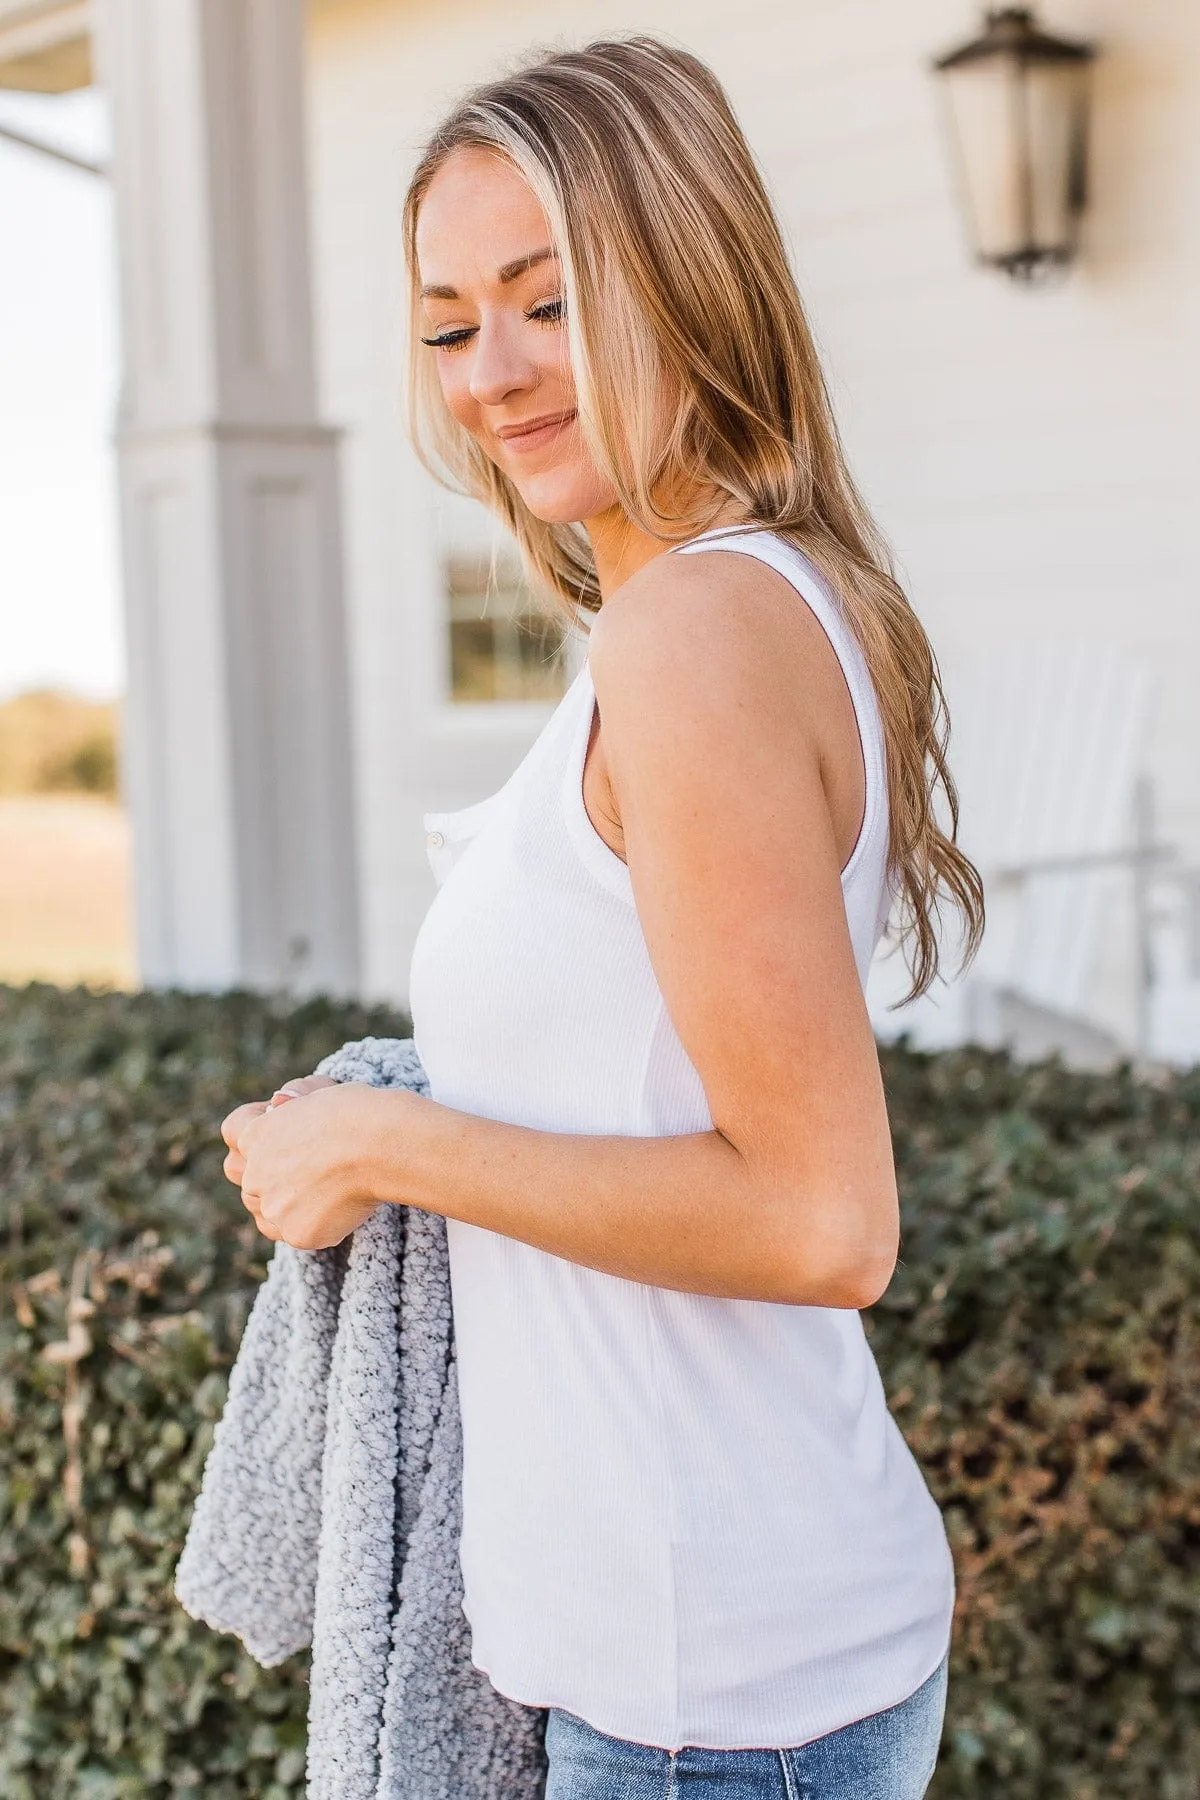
734, 596
709, 634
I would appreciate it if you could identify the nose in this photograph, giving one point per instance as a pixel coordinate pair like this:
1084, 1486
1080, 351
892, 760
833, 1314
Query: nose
499, 367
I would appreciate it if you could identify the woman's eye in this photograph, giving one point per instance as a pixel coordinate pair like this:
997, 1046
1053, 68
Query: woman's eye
450, 340
548, 312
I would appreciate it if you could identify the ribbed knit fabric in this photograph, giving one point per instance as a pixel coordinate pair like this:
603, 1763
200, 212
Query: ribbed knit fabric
686, 1520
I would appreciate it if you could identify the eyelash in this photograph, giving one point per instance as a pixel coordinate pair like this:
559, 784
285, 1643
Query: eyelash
545, 312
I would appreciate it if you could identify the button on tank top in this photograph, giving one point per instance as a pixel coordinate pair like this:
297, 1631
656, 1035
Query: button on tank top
686, 1520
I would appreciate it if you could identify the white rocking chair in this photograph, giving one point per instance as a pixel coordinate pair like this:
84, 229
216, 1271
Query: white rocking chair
1046, 749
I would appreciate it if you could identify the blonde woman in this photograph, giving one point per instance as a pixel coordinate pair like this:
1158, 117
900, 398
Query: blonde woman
691, 1528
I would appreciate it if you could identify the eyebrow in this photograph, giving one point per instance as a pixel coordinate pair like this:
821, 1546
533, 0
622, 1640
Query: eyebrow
519, 266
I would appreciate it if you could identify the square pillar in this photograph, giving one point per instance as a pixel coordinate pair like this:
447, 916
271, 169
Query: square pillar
237, 755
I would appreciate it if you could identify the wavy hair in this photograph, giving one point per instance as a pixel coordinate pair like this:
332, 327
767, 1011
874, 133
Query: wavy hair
696, 371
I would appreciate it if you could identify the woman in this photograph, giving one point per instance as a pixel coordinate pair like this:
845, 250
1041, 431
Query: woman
691, 1528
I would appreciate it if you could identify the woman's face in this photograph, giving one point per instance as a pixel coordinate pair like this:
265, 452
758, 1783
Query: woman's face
494, 310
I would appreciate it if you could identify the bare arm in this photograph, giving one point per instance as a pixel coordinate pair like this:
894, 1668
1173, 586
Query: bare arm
726, 733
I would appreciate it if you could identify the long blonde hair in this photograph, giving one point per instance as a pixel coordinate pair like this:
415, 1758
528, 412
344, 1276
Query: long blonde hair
692, 356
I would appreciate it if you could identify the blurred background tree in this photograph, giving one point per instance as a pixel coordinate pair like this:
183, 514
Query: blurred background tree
54, 743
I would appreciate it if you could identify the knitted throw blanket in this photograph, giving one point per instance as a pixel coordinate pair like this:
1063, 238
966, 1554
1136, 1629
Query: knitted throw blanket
330, 1508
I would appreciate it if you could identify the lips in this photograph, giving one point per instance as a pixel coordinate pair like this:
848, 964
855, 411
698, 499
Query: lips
532, 434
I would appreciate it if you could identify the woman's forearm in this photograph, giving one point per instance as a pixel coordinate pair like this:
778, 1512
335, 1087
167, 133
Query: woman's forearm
689, 1212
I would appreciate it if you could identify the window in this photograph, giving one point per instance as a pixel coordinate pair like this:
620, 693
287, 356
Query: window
504, 643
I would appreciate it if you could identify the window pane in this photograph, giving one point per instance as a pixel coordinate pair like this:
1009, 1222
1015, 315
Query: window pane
503, 645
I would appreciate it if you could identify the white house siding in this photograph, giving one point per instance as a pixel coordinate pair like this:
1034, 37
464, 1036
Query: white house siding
1031, 455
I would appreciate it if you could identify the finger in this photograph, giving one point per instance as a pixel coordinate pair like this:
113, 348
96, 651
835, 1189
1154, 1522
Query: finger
253, 1205
301, 1085
234, 1167
250, 1126
236, 1121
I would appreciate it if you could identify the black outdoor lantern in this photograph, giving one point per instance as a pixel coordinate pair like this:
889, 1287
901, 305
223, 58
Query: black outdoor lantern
1018, 106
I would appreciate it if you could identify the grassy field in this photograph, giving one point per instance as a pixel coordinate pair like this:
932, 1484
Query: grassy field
64, 891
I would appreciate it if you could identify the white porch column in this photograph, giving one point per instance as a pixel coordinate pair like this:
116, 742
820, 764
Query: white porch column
238, 767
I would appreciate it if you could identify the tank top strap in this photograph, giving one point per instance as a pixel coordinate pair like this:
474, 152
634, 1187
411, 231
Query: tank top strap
802, 574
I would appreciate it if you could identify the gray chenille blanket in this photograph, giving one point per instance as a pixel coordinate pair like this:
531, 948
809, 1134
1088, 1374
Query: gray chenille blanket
330, 1508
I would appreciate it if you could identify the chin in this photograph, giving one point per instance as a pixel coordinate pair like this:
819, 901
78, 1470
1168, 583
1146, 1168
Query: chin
564, 496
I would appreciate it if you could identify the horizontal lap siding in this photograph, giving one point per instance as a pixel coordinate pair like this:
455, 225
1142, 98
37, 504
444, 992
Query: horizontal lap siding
1030, 455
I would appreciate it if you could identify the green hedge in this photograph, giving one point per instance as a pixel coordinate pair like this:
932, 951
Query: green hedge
1041, 1344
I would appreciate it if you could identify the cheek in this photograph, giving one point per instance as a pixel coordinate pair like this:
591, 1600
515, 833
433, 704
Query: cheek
556, 362
455, 379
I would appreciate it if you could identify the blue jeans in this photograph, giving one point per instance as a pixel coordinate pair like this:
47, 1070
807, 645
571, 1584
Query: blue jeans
889, 1756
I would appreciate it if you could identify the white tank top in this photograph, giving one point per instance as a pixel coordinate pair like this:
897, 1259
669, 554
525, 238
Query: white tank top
687, 1520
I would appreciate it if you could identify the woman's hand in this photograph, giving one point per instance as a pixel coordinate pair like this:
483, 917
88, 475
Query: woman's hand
300, 1168
235, 1163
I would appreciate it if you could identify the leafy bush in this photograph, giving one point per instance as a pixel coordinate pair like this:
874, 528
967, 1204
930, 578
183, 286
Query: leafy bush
1040, 1344
124, 1245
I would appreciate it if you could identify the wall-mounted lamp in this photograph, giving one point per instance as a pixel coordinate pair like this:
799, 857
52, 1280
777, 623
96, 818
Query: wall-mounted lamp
1018, 108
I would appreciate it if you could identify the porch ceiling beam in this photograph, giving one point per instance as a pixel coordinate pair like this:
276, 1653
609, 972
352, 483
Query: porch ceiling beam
45, 45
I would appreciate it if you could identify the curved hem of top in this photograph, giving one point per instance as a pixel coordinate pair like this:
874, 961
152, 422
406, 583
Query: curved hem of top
694, 1744
597, 856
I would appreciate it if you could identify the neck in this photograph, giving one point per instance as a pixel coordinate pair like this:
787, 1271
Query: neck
620, 548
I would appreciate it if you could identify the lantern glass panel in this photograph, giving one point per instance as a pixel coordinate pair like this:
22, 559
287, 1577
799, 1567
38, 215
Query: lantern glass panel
1055, 107
987, 115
